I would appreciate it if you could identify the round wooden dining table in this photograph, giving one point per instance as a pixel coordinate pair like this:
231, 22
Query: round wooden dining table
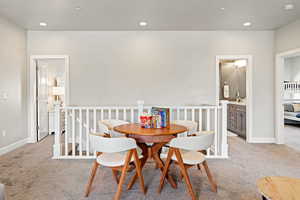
158, 136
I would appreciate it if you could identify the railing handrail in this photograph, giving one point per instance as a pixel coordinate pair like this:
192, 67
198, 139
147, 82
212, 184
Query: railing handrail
145, 107
80, 120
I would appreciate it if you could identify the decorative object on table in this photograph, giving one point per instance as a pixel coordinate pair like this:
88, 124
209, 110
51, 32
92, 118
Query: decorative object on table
156, 121
146, 120
164, 114
159, 118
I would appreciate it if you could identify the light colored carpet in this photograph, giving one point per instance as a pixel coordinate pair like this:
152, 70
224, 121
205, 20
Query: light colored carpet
292, 136
30, 174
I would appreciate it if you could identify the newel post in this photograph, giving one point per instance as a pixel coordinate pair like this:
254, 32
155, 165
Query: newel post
140, 108
224, 128
57, 132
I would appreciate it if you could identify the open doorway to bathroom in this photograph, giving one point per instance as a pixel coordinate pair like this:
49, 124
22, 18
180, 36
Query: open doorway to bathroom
234, 87
48, 89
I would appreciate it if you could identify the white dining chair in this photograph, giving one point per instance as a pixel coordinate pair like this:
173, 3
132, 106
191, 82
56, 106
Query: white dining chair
111, 123
184, 151
191, 130
189, 124
117, 154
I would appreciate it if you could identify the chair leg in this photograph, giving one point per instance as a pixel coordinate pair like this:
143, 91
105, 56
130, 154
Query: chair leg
209, 176
199, 168
185, 174
139, 170
123, 175
115, 175
181, 175
143, 162
92, 176
166, 169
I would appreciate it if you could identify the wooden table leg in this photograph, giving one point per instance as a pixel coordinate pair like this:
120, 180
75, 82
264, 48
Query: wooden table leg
155, 153
155, 150
161, 166
144, 148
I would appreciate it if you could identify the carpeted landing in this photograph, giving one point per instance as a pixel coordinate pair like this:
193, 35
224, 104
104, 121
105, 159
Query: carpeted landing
29, 173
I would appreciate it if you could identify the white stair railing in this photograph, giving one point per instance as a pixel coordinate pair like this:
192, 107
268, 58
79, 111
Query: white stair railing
292, 86
80, 121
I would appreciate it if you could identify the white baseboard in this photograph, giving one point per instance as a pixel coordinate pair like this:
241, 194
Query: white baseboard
262, 140
13, 146
31, 140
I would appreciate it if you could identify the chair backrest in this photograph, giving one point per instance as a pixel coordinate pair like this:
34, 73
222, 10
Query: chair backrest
111, 145
194, 143
102, 128
111, 123
190, 125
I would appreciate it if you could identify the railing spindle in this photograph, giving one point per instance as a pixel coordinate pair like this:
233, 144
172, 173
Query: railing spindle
66, 131
80, 131
87, 132
73, 132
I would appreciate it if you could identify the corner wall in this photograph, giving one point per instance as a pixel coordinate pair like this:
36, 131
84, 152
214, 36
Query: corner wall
13, 83
287, 37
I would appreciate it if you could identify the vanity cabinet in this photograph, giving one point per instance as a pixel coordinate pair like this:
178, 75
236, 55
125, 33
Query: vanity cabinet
236, 119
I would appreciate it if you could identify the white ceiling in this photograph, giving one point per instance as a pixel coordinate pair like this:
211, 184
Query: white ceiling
160, 14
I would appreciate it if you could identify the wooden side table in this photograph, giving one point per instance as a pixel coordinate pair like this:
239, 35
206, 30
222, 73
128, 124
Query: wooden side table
279, 188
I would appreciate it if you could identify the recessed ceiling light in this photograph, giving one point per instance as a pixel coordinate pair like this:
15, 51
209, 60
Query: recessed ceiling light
247, 24
77, 8
289, 6
222, 8
43, 24
143, 23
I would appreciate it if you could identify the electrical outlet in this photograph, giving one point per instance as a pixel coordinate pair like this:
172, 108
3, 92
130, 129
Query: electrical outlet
3, 133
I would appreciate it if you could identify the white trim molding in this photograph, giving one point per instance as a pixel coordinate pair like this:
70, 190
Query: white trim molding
249, 89
279, 93
262, 140
13, 146
32, 91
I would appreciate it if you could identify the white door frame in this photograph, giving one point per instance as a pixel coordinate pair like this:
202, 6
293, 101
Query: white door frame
32, 91
279, 93
249, 92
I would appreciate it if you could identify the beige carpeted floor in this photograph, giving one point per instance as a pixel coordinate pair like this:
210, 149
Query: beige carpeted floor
29, 173
292, 136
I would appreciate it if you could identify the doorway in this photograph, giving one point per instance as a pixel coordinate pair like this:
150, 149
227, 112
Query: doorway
48, 88
234, 85
287, 82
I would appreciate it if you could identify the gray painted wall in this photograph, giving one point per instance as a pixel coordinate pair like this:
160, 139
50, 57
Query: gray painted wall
292, 68
288, 37
160, 67
235, 78
12, 82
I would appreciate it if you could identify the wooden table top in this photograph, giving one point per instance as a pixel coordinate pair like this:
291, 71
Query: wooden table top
136, 129
279, 188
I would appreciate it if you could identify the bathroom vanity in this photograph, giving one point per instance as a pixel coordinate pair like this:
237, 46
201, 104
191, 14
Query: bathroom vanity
236, 118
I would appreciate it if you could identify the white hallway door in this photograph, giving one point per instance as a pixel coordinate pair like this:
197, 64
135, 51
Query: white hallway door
42, 100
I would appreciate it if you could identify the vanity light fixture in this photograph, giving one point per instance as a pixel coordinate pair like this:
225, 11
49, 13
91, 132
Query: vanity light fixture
240, 63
